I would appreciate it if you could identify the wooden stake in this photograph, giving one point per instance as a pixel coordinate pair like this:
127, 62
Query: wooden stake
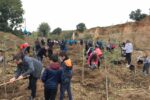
83, 65
4, 68
106, 79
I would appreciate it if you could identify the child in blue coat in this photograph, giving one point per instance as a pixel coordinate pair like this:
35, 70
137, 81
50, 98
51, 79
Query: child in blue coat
51, 78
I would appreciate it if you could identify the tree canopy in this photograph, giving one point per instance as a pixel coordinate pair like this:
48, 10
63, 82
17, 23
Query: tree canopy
44, 29
11, 14
57, 31
81, 27
137, 15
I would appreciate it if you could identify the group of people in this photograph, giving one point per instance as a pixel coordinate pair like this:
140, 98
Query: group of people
145, 60
58, 72
127, 49
42, 48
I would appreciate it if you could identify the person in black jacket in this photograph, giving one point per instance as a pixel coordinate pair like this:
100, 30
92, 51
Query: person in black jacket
63, 46
51, 78
41, 53
37, 46
50, 45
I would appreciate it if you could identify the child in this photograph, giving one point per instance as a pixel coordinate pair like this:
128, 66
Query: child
66, 76
51, 77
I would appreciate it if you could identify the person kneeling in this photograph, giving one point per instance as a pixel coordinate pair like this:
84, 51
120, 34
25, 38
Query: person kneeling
93, 61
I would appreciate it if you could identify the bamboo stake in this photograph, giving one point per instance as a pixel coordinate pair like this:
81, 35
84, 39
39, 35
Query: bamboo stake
7, 63
4, 68
106, 79
83, 65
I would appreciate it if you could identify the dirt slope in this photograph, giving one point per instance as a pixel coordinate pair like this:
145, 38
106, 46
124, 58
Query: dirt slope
121, 84
137, 32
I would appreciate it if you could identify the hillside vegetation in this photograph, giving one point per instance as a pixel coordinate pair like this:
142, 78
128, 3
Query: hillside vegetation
122, 84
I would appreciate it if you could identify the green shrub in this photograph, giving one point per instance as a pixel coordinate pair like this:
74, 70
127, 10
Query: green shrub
137, 15
57, 31
81, 27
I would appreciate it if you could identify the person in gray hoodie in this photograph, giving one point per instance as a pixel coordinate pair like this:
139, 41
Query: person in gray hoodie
27, 67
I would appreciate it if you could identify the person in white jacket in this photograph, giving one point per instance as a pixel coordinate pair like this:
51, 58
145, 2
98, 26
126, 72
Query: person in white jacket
128, 49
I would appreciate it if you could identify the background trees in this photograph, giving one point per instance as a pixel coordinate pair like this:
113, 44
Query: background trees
57, 31
11, 15
137, 15
44, 29
81, 27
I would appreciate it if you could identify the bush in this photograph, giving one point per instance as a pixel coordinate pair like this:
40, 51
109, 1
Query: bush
57, 31
137, 15
81, 27
18, 34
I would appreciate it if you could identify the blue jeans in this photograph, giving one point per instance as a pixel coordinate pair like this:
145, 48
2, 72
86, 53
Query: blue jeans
146, 68
63, 88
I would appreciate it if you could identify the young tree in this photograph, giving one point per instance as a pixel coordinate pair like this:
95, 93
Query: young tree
44, 29
137, 15
81, 27
11, 15
57, 31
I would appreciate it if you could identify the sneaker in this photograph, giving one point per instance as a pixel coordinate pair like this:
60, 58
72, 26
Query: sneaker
145, 74
127, 66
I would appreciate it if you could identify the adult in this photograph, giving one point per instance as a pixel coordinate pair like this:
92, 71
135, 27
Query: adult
93, 60
146, 65
41, 53
27, 66
63, 46
128, 49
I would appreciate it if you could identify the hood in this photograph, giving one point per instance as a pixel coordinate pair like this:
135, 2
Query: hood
54, 66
